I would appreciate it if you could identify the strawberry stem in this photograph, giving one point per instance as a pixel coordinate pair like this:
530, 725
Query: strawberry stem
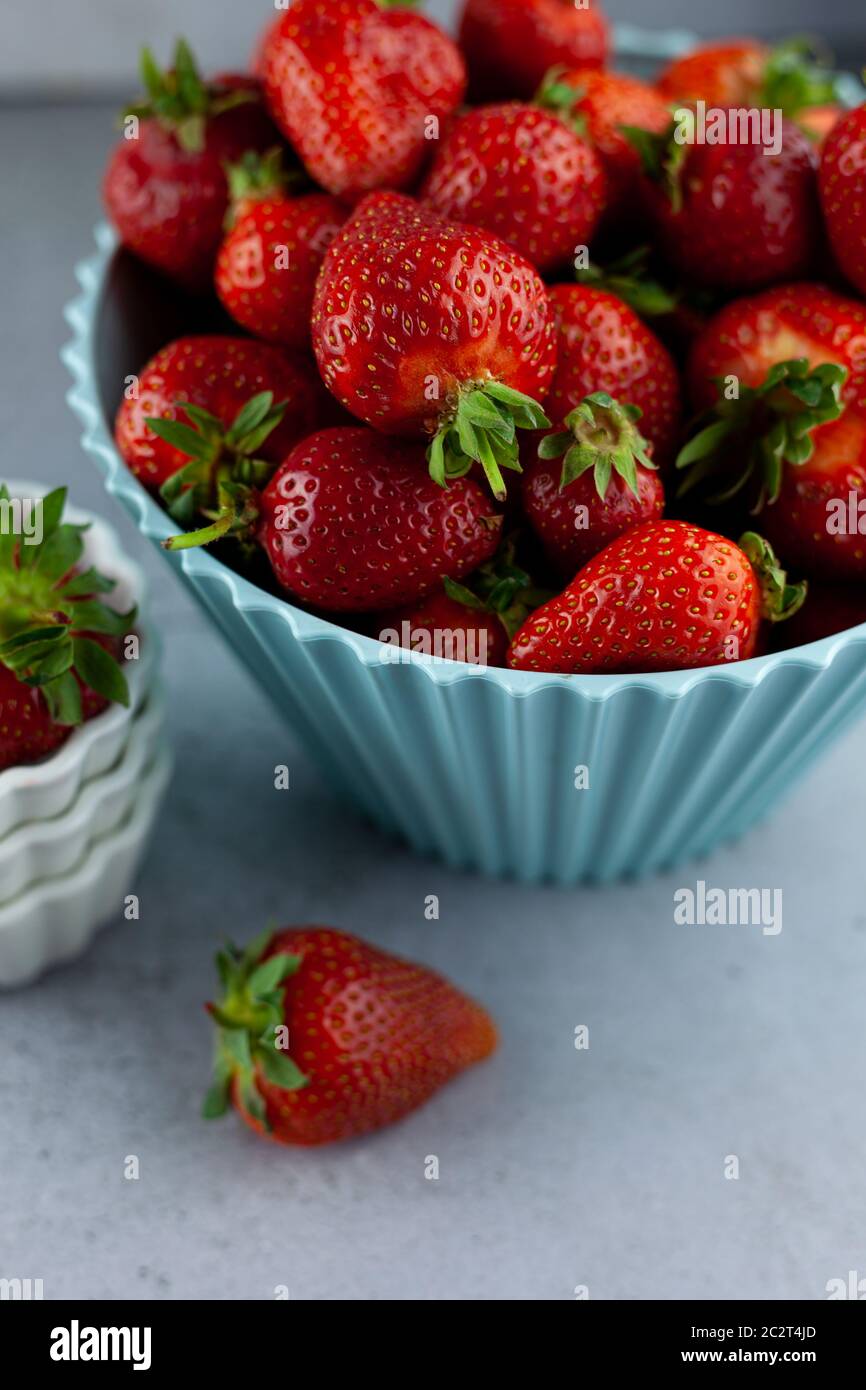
779, 599
482, 428
181, 100
599, 434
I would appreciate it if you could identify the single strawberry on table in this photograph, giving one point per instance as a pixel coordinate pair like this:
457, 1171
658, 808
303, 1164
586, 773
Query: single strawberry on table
734, 215
511, 44
602, 345
843, 194
429, 329
165, 187
355, 86
272, 252
58, 640
525, 175
352, 522
666, 596
324, 1037
591, 481
210, 411
598, 104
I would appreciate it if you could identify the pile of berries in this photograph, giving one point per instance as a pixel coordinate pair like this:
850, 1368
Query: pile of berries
576, 372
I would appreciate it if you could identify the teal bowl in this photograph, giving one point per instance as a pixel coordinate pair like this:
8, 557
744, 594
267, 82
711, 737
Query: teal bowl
535, 777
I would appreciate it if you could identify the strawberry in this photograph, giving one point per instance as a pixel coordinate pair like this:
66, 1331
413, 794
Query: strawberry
789, 445
351, 522
522, 173
212, 409
599, 105
732, 216
165, 188
423, 327
843, 194
604, 346
511, 44
323, 1037
604, 485
58, 641
472, 622
359, 91
752, 335
270, 257
666, 596
790, 78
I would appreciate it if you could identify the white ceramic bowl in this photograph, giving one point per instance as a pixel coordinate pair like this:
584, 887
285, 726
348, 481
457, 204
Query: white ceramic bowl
47, 849
47, 789
54, 920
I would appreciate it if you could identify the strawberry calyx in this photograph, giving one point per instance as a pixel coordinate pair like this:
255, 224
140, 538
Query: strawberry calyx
797, 76
502, 588
663, 156
748, 441
180, 99
250, 1029
602, 435
630, 279
223, 475
257, 176
50, 613
779, 599
482, 428
561, 98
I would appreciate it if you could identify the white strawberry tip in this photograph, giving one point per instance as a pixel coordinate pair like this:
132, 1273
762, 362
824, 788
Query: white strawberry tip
600, 434
482, 428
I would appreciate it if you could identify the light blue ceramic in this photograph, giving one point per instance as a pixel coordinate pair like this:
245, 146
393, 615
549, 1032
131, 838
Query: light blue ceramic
484, 767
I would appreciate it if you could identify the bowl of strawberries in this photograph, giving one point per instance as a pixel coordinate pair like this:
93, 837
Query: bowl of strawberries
503, 402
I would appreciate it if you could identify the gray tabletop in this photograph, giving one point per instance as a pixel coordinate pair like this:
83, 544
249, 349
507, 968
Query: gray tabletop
608, 1168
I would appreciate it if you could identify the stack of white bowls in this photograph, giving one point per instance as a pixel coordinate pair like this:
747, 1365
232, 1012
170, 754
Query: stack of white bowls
74, 827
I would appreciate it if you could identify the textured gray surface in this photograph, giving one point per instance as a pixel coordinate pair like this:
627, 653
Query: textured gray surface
558, 1167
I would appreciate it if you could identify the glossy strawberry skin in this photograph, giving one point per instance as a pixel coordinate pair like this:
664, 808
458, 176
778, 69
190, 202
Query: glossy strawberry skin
409, 307
511, 44
27, 733
376, 1036
168, 204
748, 219
607, 102
451, 627
573, 523
843, 194
351, 86
750, 335
666, 596
522, 174
721, 74
604, 346
220, 374
268, 263
352, 522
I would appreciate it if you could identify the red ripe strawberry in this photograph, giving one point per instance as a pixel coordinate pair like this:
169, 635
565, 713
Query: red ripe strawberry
733, 216
423, 327
749, 337
604, 485
211, 410
267, 265
843, 194
604, 346
511, 44
472, 622
355, 89
324, 1037
351, 522
788, 78
522, 173
58, 641
599, 105
165, 187
666, 596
